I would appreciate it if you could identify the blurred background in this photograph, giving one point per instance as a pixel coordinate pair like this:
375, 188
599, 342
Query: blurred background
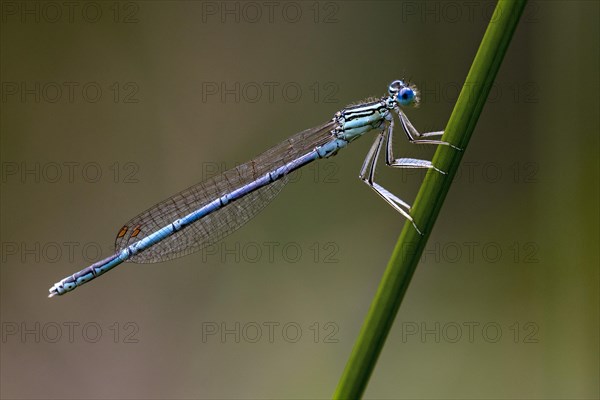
110, 107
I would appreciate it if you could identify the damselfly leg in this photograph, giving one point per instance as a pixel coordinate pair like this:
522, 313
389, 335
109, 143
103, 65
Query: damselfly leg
367, 172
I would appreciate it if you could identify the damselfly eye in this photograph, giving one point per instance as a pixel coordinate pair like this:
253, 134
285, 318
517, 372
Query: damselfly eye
406, 96
395, 87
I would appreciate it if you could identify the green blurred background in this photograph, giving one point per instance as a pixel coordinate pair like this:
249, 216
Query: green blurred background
107, 108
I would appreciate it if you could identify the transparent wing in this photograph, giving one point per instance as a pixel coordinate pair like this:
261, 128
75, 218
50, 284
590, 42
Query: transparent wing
226, 220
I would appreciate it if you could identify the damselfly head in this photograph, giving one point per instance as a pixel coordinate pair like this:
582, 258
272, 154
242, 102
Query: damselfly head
404, 93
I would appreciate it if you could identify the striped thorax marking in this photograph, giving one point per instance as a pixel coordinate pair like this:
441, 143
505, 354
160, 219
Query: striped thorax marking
354, 121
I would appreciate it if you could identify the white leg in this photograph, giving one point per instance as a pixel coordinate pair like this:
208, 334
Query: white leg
415, 137
408, 162
367, 175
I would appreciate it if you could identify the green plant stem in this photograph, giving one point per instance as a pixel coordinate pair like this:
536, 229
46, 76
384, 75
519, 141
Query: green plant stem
430, 198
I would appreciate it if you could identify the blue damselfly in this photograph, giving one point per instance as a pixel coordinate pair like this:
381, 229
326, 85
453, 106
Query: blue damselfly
208, 211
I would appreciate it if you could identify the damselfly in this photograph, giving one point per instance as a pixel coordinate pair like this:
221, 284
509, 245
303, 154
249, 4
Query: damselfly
208, 211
